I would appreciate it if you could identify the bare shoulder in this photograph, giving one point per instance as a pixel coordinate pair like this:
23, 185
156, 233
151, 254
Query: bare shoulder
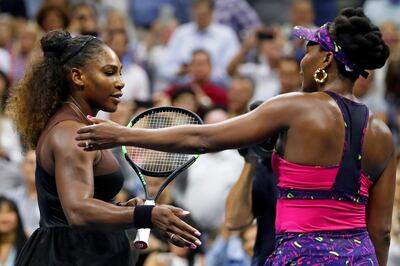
294, 101
293, 108
62, 137
378, 146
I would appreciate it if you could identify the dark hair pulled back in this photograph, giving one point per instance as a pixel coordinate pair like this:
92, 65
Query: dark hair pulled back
360, 39
46, 84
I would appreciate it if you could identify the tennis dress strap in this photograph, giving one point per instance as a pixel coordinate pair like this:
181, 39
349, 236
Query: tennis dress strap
355, 116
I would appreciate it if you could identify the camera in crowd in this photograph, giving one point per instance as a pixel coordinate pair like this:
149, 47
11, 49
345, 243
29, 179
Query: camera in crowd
265, 34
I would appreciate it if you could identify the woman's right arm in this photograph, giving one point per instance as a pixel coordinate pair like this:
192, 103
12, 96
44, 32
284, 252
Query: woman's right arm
242, 131
381, 198
75, 187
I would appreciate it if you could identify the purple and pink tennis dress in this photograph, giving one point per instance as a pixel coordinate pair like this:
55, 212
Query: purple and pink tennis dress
320, 216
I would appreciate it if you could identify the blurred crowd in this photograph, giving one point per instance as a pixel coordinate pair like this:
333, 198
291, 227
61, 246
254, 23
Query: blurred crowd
213, 57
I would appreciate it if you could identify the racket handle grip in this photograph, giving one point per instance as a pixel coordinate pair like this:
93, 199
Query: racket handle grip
142, 236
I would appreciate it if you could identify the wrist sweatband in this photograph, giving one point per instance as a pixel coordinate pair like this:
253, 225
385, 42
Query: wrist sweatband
142, 216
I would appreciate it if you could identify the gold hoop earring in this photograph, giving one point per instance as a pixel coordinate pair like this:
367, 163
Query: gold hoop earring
323, 73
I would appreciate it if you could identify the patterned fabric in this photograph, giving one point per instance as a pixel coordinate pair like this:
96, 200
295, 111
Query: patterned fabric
322, 37
352, 247
288, 193
326, 226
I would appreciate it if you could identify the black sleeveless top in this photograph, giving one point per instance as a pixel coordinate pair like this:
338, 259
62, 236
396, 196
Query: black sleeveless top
55, 242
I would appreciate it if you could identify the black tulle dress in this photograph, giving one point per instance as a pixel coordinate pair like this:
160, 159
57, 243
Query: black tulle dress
55, 242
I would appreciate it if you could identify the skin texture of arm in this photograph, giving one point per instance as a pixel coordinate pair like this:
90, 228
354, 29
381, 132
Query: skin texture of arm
238, 205
279, 112
79, 206
380, 203
75, 186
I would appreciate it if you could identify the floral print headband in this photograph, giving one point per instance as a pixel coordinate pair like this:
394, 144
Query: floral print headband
322, 37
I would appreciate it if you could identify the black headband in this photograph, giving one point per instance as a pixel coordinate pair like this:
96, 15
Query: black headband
78, 49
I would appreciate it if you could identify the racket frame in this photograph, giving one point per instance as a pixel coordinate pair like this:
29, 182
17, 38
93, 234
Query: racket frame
141, 241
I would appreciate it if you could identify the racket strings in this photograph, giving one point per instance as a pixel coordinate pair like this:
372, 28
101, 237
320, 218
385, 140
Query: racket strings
156, 161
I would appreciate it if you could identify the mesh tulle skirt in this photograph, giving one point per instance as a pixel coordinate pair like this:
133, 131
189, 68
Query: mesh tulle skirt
64, 246
350, 247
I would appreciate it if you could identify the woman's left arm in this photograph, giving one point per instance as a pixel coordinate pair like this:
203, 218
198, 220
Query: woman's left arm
379, 211
381, 196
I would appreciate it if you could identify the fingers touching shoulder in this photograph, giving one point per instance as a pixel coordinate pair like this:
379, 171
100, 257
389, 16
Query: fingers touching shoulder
63, 143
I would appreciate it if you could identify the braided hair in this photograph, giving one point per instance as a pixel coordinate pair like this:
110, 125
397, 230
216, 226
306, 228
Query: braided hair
360, 39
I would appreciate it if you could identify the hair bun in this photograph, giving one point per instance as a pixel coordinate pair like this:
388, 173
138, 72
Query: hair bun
360, 39
54, 43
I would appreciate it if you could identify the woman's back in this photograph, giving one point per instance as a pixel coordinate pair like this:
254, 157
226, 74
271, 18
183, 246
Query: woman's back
317, 136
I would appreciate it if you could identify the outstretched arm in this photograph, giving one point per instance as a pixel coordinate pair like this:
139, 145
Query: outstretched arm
245, 130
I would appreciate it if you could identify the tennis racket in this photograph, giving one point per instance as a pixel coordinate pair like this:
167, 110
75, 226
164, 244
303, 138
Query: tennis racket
150, 163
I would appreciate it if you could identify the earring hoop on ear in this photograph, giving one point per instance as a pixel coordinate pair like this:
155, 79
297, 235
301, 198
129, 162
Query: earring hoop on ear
322, 72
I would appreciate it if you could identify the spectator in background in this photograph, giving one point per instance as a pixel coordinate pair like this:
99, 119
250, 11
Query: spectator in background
185, 97
51, 17
253, 198
391, 36
25, 195
104, 7
10, 176
380, 11
33, 6
6, 31
137, 85
199, 72
12, 235
24, 49
301, 14
10, 144
118, 39
155, 47
363, 89
215, 184
5, 84
176, 256
254, 194
272, 11
238, 15
66, 4
5, 62
269, 43
240, 93
218, 40
144, 13
232, 248
116, 20
289, 75
84, 20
